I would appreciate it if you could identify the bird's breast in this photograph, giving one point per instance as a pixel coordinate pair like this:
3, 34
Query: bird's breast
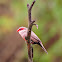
23, 33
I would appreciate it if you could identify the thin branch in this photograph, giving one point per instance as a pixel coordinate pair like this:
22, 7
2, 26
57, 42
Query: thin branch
29, 45
32, 4
36, 25
28, 6
29, 10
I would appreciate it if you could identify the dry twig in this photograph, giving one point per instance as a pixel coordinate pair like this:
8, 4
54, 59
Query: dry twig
31, 23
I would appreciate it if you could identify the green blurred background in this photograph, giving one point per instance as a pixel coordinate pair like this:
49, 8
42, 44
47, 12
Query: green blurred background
48, 16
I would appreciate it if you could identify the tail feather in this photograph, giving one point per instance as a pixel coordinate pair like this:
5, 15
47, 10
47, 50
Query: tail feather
43, 47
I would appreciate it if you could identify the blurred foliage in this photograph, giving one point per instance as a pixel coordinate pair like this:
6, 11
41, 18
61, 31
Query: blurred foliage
48, 16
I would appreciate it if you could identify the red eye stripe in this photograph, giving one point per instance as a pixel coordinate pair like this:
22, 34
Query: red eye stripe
18, 30
22, 28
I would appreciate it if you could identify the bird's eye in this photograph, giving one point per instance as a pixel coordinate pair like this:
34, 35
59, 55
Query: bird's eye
19, 29
22, 28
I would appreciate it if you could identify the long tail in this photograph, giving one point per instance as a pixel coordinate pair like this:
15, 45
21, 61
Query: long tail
40, 43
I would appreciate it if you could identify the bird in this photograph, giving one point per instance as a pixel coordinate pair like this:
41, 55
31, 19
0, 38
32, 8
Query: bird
34, 38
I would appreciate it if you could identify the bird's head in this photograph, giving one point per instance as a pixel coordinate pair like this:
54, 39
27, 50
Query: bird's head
21, 28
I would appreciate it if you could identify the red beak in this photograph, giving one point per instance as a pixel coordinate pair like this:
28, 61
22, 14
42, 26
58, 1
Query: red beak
18, 30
